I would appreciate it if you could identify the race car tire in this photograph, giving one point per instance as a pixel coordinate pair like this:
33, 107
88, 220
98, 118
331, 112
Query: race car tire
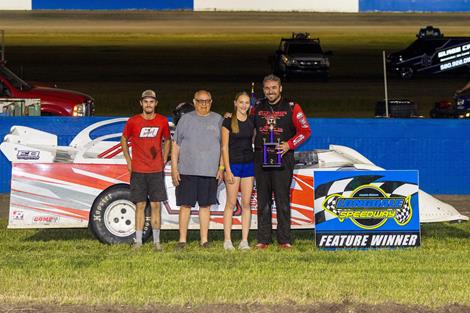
406, 73
112, 217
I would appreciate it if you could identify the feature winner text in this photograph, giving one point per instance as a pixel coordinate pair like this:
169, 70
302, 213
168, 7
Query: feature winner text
382, 240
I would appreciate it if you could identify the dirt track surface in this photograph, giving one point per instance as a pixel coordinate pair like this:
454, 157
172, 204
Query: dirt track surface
320, 308
202, 22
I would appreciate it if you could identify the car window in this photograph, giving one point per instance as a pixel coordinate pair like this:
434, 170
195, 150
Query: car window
14, 80
303, 48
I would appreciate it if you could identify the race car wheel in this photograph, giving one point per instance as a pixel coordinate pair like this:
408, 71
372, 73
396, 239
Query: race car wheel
112, 217
406, 73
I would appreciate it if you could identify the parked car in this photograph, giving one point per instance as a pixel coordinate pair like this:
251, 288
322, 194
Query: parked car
459, 107
431, 53
86, 184
300, 55
54, 101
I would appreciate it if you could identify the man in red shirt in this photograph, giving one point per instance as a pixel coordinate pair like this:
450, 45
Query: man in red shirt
146, 133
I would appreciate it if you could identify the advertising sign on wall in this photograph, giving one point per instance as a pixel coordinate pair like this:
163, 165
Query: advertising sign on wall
376, 209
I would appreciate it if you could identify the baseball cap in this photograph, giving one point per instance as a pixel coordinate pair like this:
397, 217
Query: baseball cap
148, 94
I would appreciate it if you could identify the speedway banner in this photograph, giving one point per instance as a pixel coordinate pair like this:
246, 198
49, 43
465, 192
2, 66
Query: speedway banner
366, 209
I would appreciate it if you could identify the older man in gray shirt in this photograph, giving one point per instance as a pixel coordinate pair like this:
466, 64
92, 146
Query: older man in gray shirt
196, 164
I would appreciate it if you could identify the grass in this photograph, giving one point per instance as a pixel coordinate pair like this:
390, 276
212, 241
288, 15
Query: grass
71, 267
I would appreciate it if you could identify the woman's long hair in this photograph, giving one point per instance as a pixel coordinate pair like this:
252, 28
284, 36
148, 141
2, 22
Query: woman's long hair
234, 123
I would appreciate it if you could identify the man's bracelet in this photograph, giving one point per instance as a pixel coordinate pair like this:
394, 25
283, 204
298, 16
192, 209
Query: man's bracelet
221, 167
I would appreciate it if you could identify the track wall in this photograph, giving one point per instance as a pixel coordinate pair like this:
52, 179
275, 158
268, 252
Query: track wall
439, 149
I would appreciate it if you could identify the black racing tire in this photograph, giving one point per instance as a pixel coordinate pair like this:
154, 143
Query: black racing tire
112, 217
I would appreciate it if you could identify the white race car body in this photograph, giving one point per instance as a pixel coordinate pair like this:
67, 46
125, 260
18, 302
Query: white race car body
71, 186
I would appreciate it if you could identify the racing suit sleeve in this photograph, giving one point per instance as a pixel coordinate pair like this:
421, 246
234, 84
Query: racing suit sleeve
302, 128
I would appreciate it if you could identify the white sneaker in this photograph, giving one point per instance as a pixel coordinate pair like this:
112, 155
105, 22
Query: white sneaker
228, 245
244, 245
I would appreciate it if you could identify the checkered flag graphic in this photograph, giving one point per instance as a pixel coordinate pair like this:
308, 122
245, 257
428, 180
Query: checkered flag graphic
330, 204
403, 213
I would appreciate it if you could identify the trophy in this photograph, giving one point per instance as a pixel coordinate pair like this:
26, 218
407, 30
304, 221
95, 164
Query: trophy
271, 157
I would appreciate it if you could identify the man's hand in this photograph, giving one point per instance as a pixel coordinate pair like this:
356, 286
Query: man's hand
220, 175
282, 148
229, 177
175, 177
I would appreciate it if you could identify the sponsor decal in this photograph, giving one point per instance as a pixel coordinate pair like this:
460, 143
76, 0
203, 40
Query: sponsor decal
454, 57
454, 50
299, 115
45, 219
370, 209
149, 132
27, 155
17, 215
455, 63
298, 139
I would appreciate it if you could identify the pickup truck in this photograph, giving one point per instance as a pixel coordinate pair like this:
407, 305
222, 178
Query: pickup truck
54, 101
431, 53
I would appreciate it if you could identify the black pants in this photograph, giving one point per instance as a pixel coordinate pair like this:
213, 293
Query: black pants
277, 181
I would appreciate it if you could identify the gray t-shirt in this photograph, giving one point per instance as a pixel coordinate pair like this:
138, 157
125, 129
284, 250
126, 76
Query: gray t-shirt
199, 140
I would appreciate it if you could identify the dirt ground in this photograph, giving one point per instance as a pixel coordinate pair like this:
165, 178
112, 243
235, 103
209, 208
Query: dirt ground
203, 22
250, 308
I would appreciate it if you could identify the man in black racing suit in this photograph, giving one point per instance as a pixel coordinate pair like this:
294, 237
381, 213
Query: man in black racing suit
292, 128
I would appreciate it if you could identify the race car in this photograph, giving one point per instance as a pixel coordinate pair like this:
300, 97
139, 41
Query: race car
86, 184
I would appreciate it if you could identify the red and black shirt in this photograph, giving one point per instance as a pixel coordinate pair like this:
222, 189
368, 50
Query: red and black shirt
290, 123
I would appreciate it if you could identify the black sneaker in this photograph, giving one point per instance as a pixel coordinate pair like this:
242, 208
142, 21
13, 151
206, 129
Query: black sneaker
180, 246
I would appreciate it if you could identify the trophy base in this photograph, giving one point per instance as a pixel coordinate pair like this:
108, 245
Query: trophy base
272, 165
271, 159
